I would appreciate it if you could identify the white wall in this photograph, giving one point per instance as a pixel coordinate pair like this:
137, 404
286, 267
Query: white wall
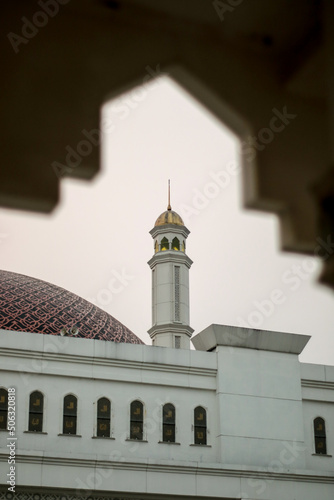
260, 405
259, 430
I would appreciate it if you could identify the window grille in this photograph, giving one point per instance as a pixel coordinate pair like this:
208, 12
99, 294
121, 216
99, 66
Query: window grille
36, 404
168, 423
136, 420
200, 429
70, 414
103, 418
320, 436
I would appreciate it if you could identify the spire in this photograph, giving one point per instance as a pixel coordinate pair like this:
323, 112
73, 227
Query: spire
169, 206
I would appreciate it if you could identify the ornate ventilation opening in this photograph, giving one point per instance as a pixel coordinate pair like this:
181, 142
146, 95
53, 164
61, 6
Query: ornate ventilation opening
177, 293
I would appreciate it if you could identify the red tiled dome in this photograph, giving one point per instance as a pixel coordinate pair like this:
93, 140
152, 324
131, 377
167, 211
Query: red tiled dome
32, 305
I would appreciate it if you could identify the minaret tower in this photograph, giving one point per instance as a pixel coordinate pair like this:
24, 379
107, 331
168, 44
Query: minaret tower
170, 282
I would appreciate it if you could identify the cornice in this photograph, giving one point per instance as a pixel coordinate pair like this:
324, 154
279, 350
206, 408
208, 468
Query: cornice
169, 228
317, 384
175, 256
96, 361
176, 328
216, 469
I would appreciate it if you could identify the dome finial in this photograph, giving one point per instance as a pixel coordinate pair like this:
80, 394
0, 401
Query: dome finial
169, 206
169, 216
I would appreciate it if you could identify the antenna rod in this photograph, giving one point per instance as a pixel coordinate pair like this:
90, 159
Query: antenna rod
169, 207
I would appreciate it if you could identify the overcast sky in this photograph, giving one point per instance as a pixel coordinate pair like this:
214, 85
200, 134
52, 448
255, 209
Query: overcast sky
98, 236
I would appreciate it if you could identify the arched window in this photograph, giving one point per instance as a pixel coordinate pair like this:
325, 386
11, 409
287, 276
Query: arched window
156, 246
200, 425
103, 418
36, 403
136, 420
175, 244
3, 408
70, 414
320, 436
168, 423
164, 244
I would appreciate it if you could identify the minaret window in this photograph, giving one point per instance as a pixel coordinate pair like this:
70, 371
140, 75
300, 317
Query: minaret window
175, 244
36, 404
320, 436
164, 244
154, 298
103, 418
3, 408
168, 423
177, 293
200, 425
70, 414
136, 420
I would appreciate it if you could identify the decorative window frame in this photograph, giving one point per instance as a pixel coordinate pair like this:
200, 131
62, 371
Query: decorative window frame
193, 427
162, 424
208, 433
77, 416
43, 412
315, 454
129, 438
111, 416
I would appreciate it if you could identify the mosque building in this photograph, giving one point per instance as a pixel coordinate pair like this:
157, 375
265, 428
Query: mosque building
88, 411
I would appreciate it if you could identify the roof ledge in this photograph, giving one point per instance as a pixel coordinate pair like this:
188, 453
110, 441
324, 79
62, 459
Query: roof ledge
236, 336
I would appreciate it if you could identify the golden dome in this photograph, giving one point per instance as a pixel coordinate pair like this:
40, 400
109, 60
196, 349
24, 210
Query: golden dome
169, 217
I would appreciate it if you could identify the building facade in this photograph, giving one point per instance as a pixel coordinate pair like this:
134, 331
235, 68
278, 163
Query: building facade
104, 416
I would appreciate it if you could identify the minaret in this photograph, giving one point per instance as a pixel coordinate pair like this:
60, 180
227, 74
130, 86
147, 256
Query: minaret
170, 282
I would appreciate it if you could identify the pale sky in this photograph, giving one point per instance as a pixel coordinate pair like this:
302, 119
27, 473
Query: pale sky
100, 230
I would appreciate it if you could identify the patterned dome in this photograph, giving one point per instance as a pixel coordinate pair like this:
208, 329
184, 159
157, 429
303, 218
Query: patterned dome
32, 305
